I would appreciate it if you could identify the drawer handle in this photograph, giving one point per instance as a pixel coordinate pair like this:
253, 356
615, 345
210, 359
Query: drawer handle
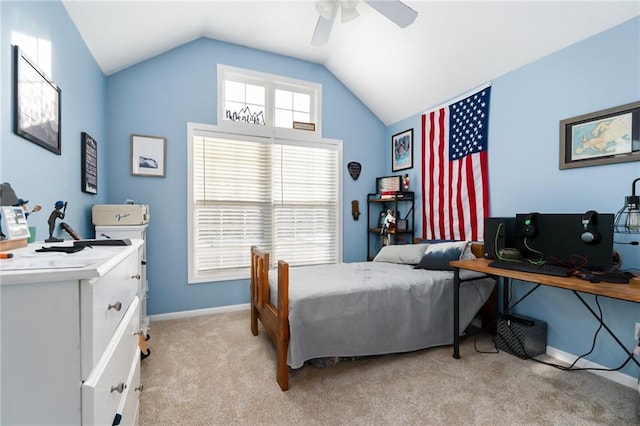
120, 388
136, 276
140, 388
117, 306
138, 333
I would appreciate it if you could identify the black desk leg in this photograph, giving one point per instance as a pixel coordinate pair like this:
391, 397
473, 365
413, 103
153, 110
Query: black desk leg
456, 313
596, 316
505, 295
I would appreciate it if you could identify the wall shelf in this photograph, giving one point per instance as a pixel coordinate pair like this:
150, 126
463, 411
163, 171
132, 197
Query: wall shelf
403, 233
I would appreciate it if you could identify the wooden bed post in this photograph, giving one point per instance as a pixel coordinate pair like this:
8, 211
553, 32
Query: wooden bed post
274, 319
282, 344
252, 287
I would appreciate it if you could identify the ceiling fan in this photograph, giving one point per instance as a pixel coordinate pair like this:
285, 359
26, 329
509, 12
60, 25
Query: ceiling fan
394, 10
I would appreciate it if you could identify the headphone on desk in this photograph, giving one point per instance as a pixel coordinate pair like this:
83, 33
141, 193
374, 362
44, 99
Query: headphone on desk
590, 234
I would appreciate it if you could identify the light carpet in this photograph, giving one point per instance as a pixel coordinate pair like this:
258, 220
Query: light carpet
210, 370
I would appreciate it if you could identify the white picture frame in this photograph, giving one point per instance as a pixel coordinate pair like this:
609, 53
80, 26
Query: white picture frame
148, 156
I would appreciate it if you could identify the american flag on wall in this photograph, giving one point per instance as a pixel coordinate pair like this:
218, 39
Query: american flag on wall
455, 191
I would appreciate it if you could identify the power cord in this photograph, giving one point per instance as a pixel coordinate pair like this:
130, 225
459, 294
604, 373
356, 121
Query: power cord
540, 261
522, 349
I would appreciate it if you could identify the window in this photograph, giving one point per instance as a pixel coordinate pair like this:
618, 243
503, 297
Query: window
249, 97
279, 194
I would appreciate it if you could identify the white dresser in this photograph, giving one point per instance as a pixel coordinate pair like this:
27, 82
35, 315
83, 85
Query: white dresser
70, 327
138, 232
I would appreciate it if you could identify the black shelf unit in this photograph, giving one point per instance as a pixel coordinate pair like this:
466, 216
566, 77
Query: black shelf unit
402, 202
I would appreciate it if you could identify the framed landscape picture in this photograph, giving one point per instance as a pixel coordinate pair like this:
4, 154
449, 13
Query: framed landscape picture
148, 155
36, 104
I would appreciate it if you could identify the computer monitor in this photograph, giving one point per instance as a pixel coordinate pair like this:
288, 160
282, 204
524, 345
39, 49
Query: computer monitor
582, 240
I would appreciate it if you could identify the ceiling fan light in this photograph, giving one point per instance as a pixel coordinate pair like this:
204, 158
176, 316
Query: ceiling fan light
348, 4
349, 14
326, 8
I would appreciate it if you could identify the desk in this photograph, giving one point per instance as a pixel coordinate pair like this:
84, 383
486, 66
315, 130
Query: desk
629, 292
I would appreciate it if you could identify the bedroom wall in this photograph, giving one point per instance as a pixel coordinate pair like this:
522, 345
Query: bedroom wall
526, 107
47, 35
159, 96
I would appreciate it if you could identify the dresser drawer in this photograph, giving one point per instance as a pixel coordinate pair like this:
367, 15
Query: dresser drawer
128, 411
104, 390
104, 302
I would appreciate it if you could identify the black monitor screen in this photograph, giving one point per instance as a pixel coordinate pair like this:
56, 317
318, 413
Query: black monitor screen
567, 239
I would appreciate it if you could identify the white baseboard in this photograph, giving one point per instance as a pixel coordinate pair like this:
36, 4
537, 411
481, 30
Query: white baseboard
615, 376
198, 312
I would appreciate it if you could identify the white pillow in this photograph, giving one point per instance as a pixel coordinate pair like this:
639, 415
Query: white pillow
408, 254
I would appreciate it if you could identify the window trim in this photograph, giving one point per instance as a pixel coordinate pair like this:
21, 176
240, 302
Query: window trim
222, 131
270, 82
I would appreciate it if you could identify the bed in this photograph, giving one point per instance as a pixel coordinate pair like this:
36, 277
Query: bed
399, 302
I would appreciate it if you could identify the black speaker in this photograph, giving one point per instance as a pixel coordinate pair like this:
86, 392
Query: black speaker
590, 234
499, 233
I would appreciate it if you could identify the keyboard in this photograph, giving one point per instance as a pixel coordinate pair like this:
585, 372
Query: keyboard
526, 266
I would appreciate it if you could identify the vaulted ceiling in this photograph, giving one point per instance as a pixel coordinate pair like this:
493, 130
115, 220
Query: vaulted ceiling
452, 47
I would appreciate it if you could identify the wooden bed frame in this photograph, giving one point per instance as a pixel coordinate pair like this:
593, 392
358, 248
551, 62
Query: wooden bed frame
275, 319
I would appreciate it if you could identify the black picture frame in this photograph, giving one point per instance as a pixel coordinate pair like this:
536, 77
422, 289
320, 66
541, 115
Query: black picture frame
603, 137
89, 159
37, 104
402, 151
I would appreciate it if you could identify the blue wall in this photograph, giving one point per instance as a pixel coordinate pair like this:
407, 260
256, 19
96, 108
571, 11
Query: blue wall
36, 174
526, 107
159, 96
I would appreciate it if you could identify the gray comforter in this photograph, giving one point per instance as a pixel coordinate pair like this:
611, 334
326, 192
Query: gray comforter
373, 308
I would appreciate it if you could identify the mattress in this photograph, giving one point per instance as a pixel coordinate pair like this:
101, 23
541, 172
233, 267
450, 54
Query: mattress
373, 308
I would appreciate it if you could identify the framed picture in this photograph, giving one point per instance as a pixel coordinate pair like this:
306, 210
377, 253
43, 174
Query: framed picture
89, 166
602, 137
36, 104
402, 151
148, 155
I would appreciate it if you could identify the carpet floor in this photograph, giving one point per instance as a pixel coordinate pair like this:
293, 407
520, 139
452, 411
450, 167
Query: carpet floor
210, 370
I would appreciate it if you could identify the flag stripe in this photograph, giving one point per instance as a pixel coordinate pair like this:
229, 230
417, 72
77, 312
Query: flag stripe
455, 189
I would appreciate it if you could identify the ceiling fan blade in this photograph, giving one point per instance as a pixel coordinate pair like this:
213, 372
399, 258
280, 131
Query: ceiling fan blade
396, 11
323, 29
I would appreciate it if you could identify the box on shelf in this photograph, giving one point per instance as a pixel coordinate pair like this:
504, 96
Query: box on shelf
120, 214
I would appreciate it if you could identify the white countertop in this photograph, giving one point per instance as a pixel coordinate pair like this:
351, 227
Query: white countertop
29, 266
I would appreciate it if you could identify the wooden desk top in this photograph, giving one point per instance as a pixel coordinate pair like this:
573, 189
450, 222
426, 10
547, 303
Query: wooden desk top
629, 292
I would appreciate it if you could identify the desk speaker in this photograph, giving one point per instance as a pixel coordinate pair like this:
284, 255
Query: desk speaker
499, 233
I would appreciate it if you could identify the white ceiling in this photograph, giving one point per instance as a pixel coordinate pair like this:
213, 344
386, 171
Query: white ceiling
452, 46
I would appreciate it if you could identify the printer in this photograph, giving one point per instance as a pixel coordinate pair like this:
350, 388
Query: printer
119, 214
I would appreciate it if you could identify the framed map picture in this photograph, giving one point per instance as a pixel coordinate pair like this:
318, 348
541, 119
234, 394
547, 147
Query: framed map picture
602, 137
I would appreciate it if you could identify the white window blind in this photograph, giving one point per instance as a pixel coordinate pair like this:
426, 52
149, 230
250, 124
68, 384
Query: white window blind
280, 195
